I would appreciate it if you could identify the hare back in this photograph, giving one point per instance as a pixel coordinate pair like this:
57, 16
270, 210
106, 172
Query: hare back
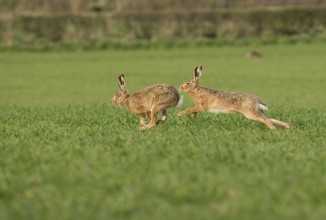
222, 101
159, 93
163, 96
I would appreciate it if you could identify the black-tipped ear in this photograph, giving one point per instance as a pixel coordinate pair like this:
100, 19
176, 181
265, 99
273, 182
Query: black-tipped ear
121, 79
198, 72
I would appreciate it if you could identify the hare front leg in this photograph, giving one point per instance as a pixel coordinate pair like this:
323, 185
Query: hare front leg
193, 110
152, 121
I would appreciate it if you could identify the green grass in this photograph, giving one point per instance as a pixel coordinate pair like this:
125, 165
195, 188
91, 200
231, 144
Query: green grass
66, 153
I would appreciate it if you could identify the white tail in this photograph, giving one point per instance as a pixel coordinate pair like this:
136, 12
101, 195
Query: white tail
262, 106
180, 102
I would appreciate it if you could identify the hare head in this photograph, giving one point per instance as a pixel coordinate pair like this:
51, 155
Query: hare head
190, 85
122, 94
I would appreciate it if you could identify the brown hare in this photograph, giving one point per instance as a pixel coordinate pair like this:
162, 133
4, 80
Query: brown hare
254, 55
148, 102
219, 101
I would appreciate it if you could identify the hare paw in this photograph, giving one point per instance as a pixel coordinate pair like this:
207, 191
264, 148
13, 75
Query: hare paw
142, 128
180, 114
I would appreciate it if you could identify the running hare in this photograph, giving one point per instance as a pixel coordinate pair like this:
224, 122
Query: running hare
219, 101
148, 102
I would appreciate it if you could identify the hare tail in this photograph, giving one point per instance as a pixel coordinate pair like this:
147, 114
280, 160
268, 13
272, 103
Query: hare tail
180, 102
262, 106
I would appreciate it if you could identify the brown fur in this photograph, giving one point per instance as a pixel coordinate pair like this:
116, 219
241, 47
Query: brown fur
207, 99
254, 54
148, 102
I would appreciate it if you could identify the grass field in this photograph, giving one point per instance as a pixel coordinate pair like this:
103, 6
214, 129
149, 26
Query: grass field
66, 153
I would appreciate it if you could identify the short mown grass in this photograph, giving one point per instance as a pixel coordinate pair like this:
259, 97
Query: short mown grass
66, 153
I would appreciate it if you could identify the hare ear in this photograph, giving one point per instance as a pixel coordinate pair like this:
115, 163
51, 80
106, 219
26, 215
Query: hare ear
197, 72
122, 84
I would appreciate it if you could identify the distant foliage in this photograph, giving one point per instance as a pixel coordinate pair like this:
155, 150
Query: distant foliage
74, 21
77, 6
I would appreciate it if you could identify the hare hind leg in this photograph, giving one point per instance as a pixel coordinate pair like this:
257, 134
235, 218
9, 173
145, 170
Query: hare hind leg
143, 117
142, 121
164, 117
261, 118
281, 123
274, 121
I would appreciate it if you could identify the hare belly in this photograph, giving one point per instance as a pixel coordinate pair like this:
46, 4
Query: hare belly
218, 110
